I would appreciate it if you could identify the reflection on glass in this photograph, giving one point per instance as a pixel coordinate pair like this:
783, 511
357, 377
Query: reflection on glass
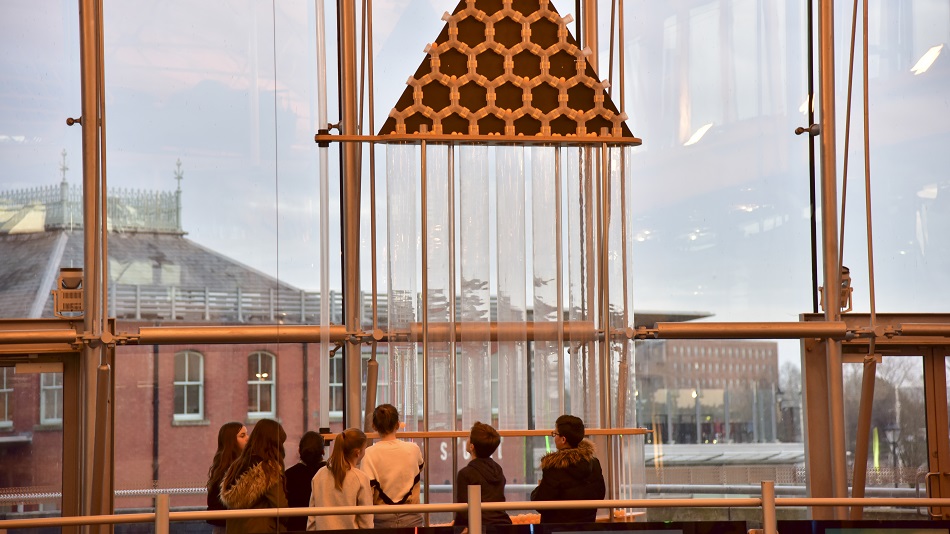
31, 437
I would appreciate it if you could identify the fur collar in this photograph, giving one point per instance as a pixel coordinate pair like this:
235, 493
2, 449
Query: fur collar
252, 485
562, 458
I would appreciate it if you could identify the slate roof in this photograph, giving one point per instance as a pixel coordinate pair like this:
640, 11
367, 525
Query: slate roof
30, 263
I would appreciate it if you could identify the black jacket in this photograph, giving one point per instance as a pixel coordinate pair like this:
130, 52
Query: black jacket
486, 473
214, 502
299, 479
570, 475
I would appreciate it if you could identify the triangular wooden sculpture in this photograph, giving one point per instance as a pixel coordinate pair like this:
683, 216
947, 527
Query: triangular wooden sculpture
505, 67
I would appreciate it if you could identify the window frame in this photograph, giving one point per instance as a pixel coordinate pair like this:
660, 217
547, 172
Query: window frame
186, 383
6, 392
46, 390
264, 381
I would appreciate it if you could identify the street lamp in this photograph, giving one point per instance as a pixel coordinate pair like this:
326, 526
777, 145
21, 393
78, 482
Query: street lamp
892, 433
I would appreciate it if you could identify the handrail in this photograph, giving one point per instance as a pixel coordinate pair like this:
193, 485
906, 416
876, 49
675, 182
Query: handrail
787, 490
438, 434
767, 502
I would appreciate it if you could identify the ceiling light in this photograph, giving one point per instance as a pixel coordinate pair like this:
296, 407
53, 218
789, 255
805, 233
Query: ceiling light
698, 134
926, 60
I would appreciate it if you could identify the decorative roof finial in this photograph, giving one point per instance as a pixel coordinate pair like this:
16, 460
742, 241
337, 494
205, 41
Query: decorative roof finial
178, 174
63, 167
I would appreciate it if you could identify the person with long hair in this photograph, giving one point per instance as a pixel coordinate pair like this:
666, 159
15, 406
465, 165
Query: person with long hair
232, 437
256, 480
300, 476
340, 483
394, 468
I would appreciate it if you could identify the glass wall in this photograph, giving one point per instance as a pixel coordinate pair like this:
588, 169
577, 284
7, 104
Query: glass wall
219, 219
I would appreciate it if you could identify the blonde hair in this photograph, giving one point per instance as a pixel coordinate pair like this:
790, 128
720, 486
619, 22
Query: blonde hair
344, 445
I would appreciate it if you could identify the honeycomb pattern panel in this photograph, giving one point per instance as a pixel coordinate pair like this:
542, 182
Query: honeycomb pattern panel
505, 67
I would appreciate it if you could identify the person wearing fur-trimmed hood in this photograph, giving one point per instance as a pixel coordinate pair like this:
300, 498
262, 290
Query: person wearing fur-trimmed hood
570, 473
256, 480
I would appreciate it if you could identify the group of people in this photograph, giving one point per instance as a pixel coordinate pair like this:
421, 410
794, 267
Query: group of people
248, 472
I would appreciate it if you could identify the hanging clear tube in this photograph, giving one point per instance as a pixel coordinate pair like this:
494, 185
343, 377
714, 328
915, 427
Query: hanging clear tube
402, 178
323, 154
474, 304
584, 376
618, 268
512, 300
438, 238
547, 389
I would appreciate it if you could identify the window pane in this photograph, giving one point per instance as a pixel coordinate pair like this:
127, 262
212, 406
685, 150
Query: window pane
193, 399
194, 367
253, 368
266, 399
253, 400
6, 393
181, 367
179, 399
266, 367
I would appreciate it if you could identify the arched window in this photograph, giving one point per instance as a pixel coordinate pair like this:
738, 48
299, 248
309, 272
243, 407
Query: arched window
189, 386
261, 385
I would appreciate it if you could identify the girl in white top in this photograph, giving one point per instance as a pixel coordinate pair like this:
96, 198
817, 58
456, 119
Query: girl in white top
394, 468
339, 483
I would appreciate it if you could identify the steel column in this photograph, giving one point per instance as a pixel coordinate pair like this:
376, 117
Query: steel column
829, 231
346, 19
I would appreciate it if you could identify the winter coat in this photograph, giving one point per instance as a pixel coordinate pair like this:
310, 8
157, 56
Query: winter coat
214, 502
570, 475
299, 478
261, 486
486, 473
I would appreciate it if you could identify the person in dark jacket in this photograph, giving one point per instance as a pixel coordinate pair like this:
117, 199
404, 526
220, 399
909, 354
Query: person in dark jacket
256, 480
300, 476
571, 473
232, 437
482, 471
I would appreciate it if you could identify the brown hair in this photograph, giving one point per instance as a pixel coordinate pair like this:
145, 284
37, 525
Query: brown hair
227, 452
485, 439
266, 444
311, 448
385, 419
345, 444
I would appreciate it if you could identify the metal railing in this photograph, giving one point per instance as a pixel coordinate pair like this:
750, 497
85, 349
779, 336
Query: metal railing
767, 501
